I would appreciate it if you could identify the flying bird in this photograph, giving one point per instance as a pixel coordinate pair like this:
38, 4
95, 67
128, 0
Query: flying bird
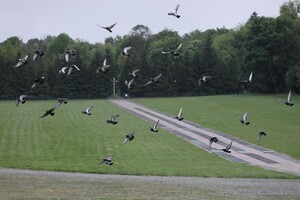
104, 68
173, 52
175, 12
153, 80
21, 99
125, 52
113, 120
108, 27
87, 111
128, 84
22, 61
69, 53
51, 110
203, 80
249, 80
179, 116
38, 81
212, 140
289, 99
38, 53
129, 137
244, 119
227, 149
261, 133
154, 128
69, 68
133, 74
107, 161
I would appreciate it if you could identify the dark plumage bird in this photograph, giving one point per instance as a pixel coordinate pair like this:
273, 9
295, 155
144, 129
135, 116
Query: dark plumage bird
227, 149
21, 99
107, 161
129, 137
153, 80
244, 119
87, 111
69, 53
154, 128
51, 110
109, 28
173, 52
113, 120
212, 140
289, 99
179, 116
38, 81
203, 80
104, 68
261, 133
133, 74
22, 61
249, 80
175, 12
125, 52
38, 53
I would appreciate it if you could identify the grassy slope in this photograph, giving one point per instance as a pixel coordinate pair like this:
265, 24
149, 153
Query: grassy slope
222, 113
71, 141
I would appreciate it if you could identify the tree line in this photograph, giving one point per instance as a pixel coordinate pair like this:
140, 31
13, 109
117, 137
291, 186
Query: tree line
267, 46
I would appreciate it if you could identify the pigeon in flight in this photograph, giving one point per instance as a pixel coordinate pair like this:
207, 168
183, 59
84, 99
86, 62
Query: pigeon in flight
22, 61
155, 80
203, 80
107, 161
133, 74
227, 149
69, 53
289, 99
249, 80
128, 84
108, 27
87, 111
244, 119
129, 137
261, 133
173, 52
179, 116
113, 120
38, 81
104, 68
38, 53
212, 140
175, 12
125, 52
21, 99
154, 128
51, 110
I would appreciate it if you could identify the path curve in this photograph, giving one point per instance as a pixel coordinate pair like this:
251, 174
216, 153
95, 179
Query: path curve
242, 151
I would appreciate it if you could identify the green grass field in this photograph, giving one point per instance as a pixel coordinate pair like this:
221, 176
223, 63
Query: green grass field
222, 113
71, 141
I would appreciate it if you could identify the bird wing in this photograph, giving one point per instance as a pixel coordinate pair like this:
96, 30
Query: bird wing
178, 48
180, 113
229, 146
114, 117
67, 56
157, 77
149, 82
155, 125
135, 71
126, 140
17, 102
25, 58
57, 105
111, 26
166, 52
250, 77
63, 70
34, 56
18, 64
245, 117
176, 9
130, 82
75, 66
89, 109
104, 62
289, 98
127, 49
206, 77
70, 70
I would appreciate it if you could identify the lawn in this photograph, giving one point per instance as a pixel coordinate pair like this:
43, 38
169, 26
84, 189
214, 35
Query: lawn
222, 113
71, 141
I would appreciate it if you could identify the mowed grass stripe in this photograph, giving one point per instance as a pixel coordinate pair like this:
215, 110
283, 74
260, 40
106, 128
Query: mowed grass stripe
71, 141
222, 113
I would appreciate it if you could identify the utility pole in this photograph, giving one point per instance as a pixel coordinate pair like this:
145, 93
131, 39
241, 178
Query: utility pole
114, 85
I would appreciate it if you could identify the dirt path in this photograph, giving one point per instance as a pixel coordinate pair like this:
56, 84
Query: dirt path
28, 184
242, 151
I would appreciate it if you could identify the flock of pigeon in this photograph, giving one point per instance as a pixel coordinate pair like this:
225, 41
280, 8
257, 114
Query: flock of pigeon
67, 70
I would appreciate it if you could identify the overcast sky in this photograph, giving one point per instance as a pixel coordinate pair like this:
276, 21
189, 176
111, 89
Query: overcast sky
29, 19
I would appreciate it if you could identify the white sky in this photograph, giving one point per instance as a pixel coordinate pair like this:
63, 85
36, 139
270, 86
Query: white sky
30, 19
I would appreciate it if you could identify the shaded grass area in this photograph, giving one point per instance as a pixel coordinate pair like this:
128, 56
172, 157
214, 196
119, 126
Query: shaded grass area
71, 141
222, 113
